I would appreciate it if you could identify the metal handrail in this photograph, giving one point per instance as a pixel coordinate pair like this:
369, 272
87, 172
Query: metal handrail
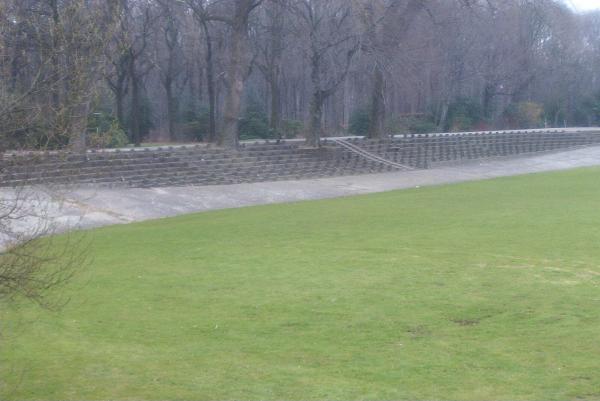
369, 156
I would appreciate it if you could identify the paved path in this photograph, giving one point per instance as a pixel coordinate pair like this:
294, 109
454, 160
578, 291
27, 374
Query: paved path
85, 207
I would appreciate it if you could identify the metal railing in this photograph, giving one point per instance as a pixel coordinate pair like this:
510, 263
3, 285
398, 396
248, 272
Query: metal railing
370, 156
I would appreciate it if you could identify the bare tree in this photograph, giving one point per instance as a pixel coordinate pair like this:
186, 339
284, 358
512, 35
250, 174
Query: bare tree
202, 16
385, 24
117, 78
171, 64
330, 34
238, 59
135, 25
237, 69
271, 46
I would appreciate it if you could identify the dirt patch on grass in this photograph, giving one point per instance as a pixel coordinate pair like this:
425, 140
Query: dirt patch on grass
466, 322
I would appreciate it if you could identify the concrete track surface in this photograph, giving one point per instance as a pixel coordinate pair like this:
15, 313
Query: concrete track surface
77, 208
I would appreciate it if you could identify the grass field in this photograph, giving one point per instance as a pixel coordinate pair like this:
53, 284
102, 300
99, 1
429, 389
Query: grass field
479, 291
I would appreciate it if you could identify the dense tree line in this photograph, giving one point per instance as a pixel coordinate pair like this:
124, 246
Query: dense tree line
125, 71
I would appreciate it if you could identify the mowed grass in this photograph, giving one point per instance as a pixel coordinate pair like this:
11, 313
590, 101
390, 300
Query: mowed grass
479, 291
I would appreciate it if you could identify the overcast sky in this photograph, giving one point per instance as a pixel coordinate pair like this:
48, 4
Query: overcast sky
585, 5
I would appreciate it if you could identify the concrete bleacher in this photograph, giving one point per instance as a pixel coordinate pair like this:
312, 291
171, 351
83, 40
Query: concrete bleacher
177, 166
200, 165
427, 150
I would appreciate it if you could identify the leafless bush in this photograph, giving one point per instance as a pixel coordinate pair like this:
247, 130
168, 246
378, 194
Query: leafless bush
32, 261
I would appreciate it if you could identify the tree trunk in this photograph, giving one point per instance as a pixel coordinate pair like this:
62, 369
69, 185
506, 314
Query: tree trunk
210, 83
54, 57
119, 89
119, 99
79, 119
274, 60
235, 85
488, 101
313, 136
377, 112
275, 121
171, 108
443, 116
135, 104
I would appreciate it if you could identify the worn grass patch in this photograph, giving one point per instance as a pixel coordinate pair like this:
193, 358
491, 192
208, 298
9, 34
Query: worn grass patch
478, 291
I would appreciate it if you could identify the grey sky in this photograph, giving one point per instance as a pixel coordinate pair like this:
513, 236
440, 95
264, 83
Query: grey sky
585, 5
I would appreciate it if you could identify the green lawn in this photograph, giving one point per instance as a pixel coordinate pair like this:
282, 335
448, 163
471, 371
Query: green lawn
479, 291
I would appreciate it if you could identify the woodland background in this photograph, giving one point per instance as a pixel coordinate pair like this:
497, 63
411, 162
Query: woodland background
101, 73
